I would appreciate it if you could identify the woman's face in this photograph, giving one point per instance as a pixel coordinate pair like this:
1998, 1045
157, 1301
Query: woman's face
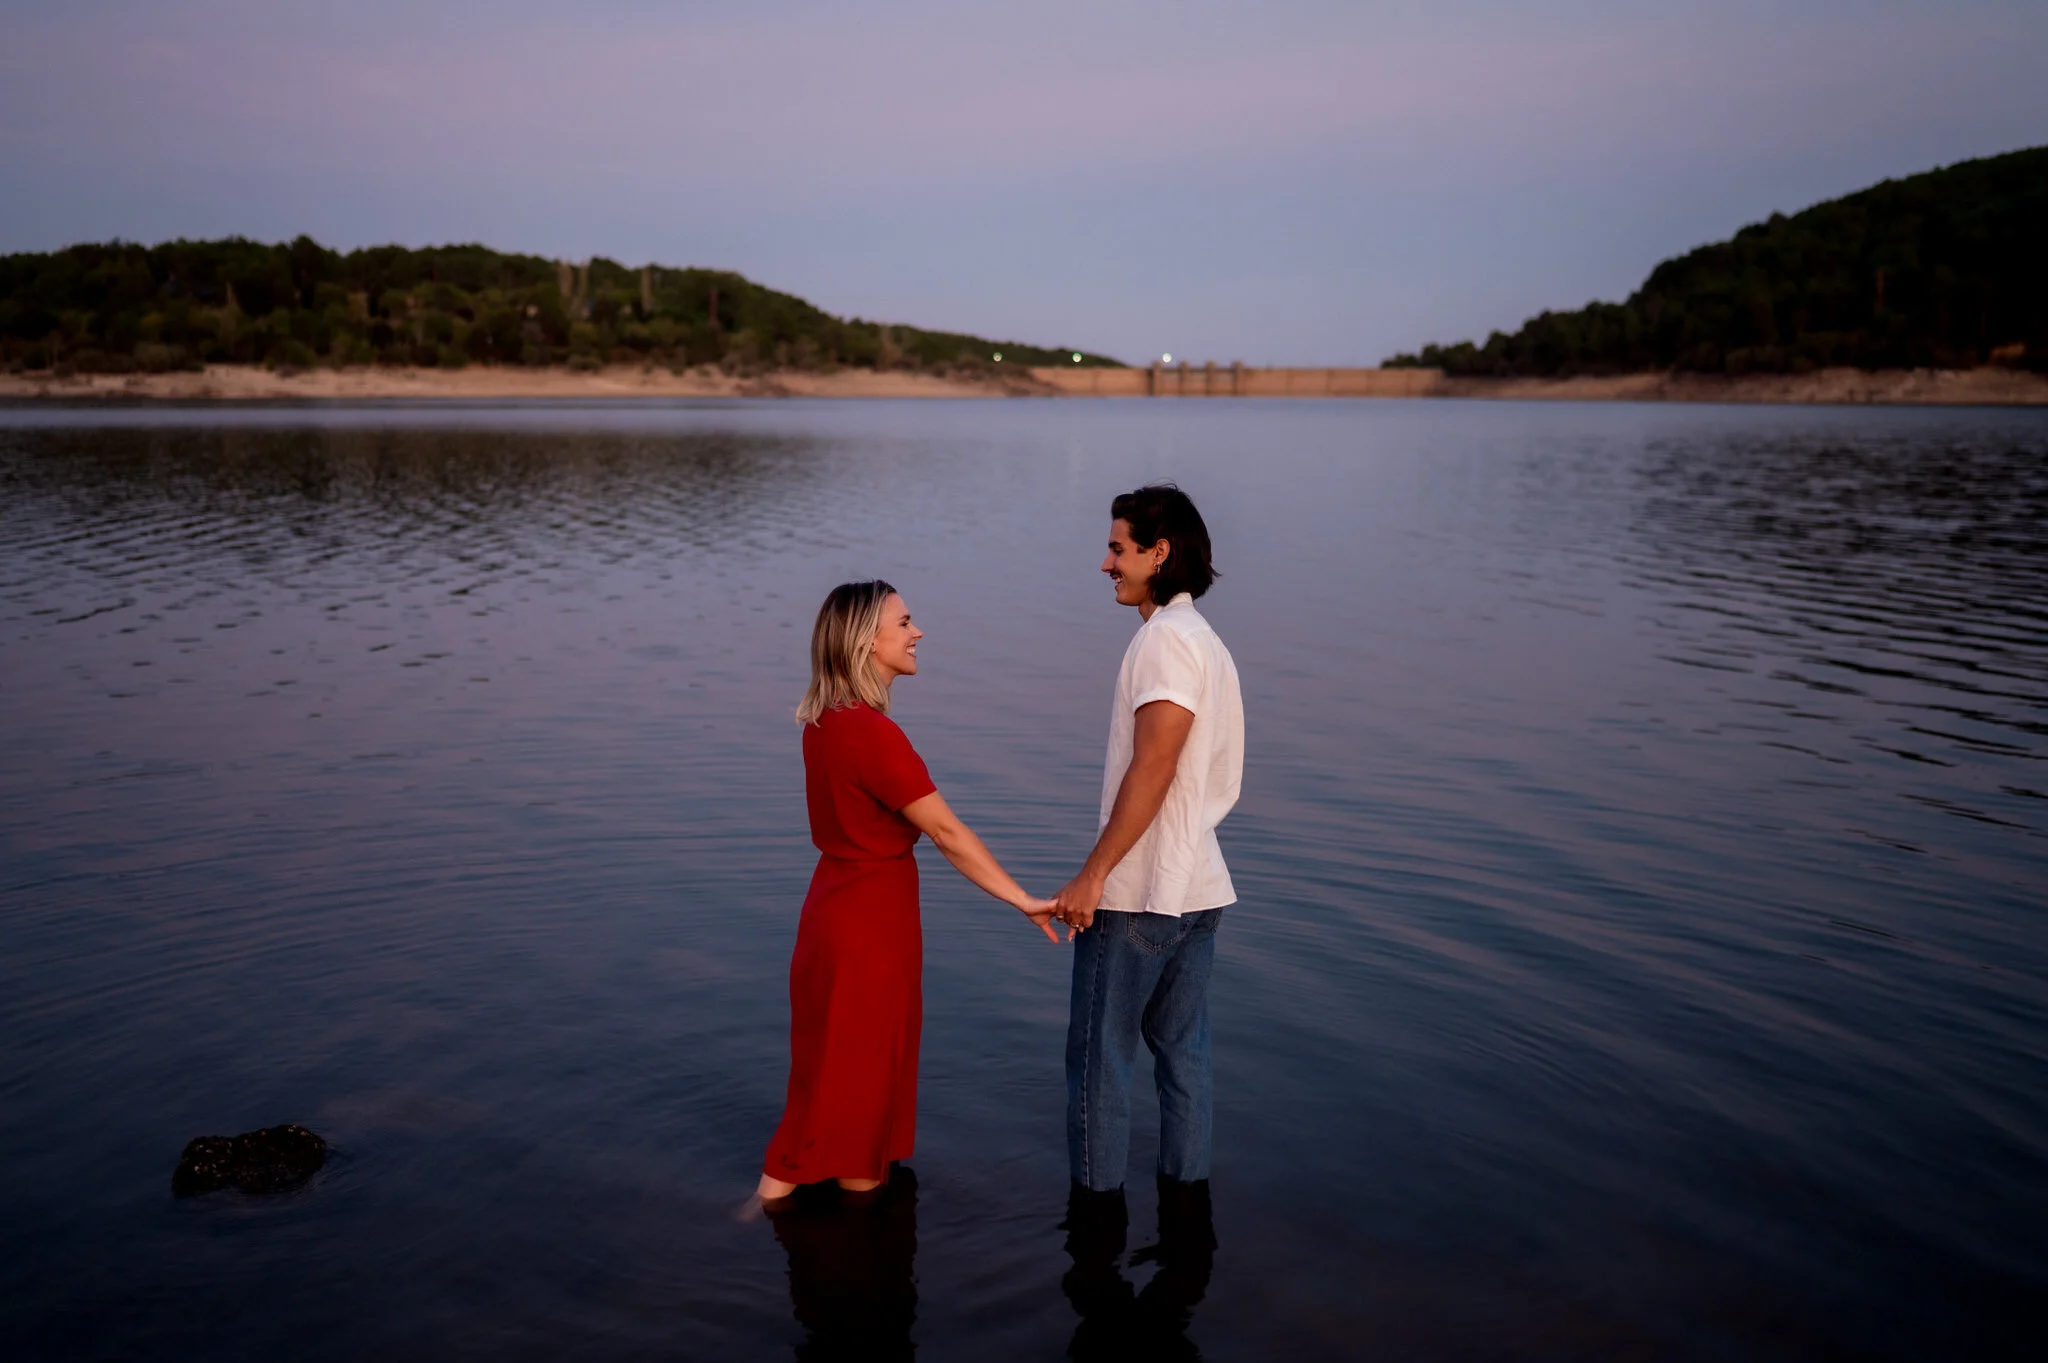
896, 641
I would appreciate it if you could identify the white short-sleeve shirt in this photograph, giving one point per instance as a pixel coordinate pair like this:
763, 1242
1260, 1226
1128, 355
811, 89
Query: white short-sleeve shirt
1177, 866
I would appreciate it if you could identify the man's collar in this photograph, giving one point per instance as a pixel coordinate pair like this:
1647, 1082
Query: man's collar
1176, 599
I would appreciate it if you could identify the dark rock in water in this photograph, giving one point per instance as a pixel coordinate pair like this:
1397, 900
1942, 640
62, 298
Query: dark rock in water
267, 1161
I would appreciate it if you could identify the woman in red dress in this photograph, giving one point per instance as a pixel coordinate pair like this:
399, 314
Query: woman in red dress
856, 1004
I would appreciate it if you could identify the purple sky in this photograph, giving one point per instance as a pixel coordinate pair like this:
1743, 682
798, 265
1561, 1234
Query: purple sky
1309, 183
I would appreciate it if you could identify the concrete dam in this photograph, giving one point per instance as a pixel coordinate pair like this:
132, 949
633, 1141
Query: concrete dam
1239, 381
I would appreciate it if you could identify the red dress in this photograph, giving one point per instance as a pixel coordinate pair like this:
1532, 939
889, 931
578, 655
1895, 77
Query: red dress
856, 999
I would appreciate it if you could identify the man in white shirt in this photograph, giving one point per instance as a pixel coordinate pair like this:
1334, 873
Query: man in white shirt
1145, 907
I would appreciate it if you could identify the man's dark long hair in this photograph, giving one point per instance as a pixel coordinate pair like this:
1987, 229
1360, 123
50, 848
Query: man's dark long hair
1161, 511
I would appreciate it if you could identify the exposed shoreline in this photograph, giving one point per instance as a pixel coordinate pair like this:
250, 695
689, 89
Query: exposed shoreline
248, 383
1895, 387
251, 383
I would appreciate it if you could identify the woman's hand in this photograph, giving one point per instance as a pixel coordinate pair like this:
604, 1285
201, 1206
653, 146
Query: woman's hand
1039, 911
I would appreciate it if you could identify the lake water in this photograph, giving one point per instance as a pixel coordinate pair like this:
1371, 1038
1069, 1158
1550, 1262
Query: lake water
1642, 949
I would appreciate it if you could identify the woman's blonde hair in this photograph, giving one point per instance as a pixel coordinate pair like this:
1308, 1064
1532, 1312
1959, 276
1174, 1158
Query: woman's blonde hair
842, 651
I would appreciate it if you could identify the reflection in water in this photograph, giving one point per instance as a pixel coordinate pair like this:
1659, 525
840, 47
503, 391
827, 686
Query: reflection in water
1119, 1321
388, 504
850, 1269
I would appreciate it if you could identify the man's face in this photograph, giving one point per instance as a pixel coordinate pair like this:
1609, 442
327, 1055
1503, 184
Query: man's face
1131, 568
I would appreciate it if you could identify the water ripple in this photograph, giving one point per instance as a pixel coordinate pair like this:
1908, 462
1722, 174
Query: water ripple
1641, 862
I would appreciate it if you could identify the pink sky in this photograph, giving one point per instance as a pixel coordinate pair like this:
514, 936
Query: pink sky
1320, 183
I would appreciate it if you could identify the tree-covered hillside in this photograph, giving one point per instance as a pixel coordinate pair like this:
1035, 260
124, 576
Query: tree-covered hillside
1948, 269
120, 307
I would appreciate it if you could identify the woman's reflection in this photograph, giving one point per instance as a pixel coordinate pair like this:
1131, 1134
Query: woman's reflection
1121, 1322
850, 1261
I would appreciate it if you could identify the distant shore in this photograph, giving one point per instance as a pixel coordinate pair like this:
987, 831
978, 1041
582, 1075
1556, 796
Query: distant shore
1903, 387
249, 383
494, 381
1995, 387
252, 383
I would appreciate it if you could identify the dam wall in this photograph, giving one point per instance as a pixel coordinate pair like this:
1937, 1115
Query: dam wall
1240, 381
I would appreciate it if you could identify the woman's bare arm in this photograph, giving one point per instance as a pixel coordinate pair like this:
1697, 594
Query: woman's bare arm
934, 818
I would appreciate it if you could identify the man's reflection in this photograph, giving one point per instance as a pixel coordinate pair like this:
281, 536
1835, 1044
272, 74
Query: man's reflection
850, 1261
1121, 1322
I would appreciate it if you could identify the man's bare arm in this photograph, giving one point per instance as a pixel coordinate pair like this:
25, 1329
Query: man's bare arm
1162, 731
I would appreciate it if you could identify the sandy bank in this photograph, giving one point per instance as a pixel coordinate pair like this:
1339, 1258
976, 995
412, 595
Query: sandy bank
1988, 387
1991, 387
1976, 386
250, 383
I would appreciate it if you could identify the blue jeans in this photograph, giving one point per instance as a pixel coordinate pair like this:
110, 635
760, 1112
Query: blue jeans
1140, 975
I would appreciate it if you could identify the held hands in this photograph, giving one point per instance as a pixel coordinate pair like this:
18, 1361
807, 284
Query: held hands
1040, 912
1075, 904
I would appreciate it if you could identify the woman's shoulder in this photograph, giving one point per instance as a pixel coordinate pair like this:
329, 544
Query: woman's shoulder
856, 721
857, 738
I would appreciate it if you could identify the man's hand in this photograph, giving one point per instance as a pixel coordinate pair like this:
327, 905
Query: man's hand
1076, 902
